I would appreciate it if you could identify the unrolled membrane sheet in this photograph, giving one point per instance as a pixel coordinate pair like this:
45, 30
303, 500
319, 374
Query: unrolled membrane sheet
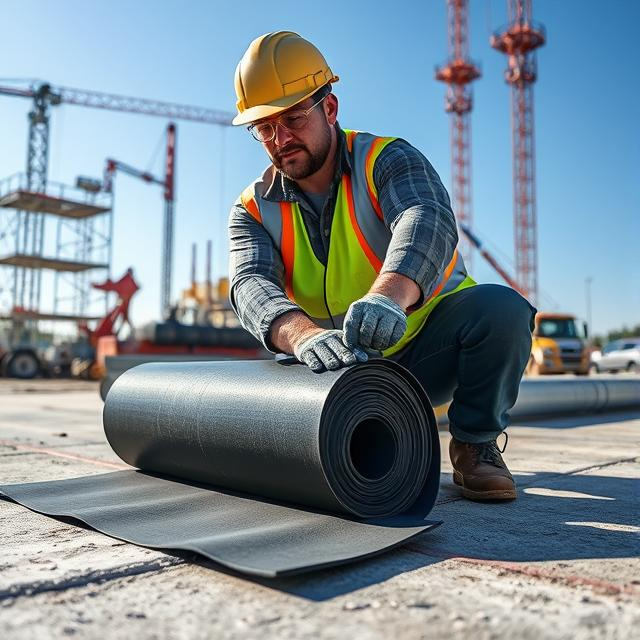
263, 467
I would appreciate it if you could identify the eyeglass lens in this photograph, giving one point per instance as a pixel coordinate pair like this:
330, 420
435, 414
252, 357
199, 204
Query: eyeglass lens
294, 121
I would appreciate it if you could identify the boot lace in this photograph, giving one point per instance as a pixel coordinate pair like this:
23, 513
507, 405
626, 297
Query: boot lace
490, 453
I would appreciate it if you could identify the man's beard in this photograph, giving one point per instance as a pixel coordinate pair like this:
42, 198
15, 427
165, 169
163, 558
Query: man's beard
306, 163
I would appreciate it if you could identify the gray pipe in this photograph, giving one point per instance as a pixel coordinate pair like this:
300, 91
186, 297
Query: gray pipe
556, 395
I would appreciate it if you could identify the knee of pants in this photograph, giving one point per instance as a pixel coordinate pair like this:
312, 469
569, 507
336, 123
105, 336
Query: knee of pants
504, 312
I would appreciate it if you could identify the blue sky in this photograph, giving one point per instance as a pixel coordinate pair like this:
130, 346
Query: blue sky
587, 141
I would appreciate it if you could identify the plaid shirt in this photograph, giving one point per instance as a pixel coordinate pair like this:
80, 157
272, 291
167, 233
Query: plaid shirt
416, 209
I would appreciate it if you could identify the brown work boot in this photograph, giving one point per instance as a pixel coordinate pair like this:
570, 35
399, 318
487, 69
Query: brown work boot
480, 470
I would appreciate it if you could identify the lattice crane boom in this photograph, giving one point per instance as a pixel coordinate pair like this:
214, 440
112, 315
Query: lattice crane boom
488, 256
518, 41
458, 73
114, 102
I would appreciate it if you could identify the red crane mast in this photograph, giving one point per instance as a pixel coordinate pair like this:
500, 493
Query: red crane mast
518, 41
458, 73
168, 183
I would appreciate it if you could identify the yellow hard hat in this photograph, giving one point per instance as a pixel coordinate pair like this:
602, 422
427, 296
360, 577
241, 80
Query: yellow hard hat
278, 70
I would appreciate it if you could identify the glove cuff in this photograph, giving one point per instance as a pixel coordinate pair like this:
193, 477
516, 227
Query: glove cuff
386, 302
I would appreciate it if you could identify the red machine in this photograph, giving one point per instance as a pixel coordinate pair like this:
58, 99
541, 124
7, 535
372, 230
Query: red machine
126, 287
171, 338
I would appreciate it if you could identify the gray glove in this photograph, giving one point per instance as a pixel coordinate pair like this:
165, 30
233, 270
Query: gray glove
374, 322
326, 351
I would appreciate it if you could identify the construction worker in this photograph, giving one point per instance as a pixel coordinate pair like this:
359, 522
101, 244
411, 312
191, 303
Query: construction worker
347, 245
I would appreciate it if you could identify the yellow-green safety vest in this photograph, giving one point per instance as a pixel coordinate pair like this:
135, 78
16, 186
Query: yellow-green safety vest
358, 245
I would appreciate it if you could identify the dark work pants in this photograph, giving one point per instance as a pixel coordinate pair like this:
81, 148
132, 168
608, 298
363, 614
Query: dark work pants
473, 349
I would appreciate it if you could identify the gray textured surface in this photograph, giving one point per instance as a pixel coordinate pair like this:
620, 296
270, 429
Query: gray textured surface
479, 575
272, 432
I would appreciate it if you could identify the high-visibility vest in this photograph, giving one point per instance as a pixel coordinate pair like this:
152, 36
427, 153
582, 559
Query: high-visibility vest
358, 245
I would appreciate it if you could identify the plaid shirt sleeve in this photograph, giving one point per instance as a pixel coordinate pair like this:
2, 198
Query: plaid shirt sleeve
256, 274
417, 210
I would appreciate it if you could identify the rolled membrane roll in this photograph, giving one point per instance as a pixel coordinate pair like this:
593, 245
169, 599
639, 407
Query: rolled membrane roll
361, 441
264, 468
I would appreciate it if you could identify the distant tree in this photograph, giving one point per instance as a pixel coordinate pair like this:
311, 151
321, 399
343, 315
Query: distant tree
625, 332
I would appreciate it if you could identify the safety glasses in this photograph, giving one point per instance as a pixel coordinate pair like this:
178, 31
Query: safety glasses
290, 120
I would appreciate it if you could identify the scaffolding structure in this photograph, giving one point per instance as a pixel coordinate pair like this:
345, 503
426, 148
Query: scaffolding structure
54, 239
45, 96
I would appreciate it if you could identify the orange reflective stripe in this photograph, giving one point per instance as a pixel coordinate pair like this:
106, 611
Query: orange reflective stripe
371, 256
350, 136
447, 274
250, 204
287, 248
370, 161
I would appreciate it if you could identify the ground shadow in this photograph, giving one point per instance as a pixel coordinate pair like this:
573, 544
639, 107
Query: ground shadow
556, 517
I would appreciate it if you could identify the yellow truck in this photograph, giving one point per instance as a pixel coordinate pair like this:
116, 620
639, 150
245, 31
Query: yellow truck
559, 345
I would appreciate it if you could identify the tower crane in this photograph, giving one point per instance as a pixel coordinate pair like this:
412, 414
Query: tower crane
458, 73
30, 225
518, 41
167, 182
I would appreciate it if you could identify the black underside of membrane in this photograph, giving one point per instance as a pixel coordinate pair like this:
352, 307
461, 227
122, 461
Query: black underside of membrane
233, 465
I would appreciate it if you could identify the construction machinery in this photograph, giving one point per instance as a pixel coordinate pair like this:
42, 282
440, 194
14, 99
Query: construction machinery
559, 339
115, 339
83, 227
201, 326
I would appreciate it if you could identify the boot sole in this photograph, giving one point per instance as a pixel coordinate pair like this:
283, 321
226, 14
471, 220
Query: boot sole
498, 494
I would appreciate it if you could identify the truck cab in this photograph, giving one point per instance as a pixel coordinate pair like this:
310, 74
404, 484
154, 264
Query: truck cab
559, 345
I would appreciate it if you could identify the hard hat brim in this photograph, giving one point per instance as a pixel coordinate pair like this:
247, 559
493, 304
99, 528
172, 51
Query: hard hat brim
261, 111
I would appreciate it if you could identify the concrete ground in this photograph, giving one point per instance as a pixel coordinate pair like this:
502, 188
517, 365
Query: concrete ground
560, 562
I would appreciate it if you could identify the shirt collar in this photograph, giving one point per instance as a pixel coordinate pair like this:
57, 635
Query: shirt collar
282, 189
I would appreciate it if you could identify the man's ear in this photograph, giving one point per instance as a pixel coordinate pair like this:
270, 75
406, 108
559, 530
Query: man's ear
331, 108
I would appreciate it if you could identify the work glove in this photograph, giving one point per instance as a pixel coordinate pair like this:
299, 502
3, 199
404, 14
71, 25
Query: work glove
374, 322
326, 351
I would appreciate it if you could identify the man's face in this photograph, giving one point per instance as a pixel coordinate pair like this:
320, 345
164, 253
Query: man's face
299, 154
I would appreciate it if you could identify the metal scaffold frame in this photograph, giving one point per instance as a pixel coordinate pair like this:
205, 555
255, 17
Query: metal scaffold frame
86, 241
29, 263
44, 96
